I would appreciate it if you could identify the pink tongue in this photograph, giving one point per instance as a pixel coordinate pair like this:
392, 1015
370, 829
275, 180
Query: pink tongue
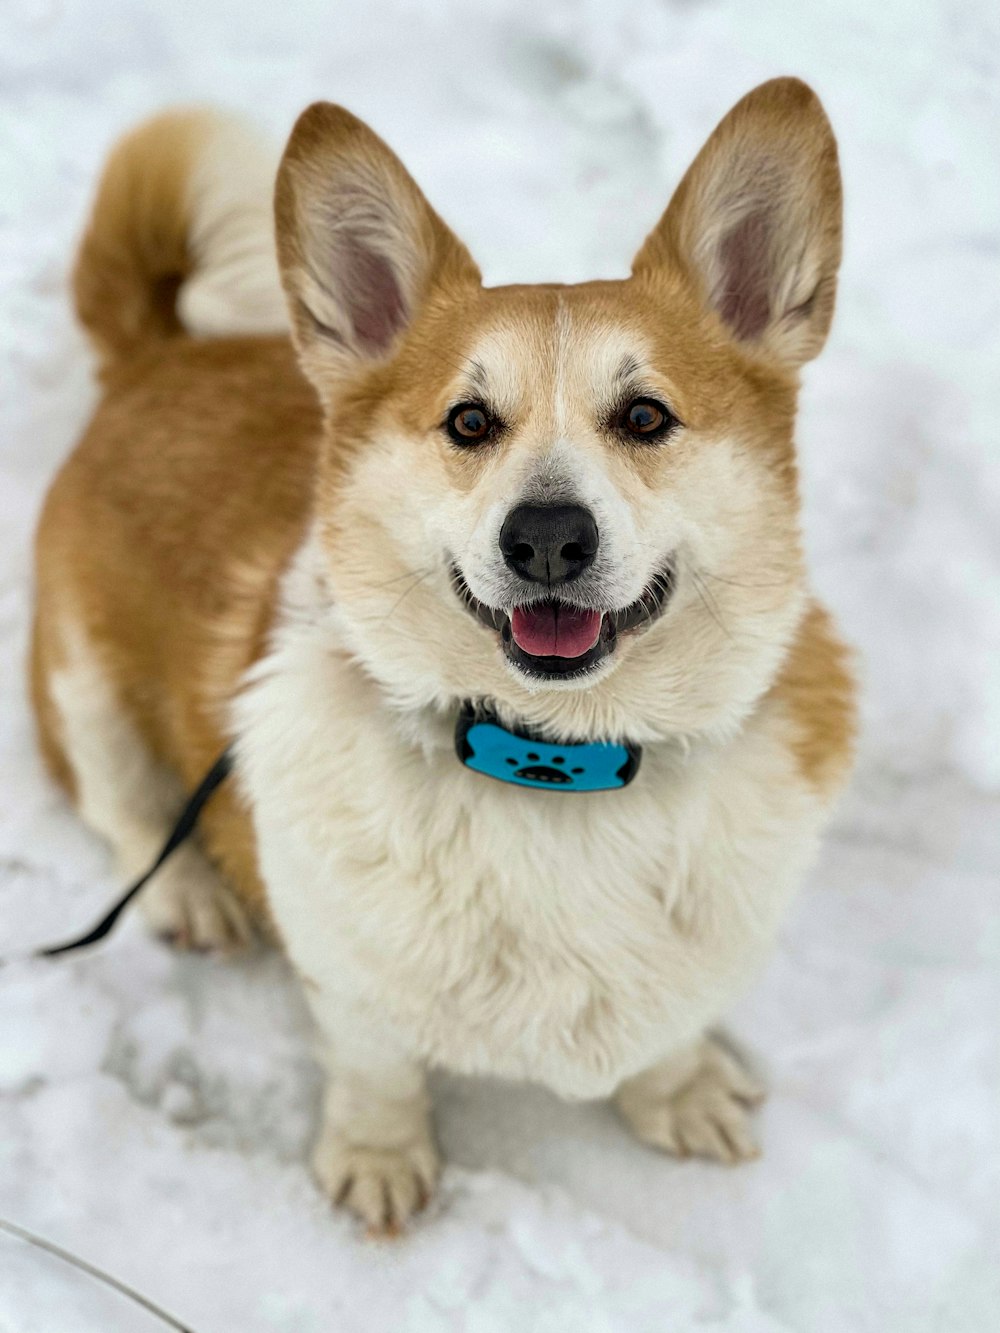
555, 631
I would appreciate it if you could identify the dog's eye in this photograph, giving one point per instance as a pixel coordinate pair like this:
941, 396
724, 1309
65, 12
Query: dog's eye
646, 418
470, 423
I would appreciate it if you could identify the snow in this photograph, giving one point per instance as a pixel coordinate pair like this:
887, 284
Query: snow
155, 1110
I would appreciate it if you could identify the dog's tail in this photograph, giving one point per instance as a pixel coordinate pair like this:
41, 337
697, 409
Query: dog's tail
181, 237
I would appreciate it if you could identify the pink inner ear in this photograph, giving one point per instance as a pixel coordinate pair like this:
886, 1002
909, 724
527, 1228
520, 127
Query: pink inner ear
372, 294
745, 258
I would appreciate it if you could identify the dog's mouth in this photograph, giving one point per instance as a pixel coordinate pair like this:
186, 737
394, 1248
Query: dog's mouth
554, 639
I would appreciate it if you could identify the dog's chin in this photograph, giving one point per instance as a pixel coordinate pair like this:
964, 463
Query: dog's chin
552, 642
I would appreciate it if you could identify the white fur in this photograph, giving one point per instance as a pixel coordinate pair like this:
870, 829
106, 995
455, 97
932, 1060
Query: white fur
696, 1101
442, 918
235, 288
438, 917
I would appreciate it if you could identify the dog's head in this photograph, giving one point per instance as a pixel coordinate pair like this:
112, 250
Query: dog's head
578, 501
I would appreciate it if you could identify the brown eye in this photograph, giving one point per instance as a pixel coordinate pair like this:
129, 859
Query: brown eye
645, 417
470, 423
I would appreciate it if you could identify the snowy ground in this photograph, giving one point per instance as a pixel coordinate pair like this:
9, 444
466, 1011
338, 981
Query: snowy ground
154, 1110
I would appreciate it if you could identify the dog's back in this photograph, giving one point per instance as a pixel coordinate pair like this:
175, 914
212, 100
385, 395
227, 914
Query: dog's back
162, 535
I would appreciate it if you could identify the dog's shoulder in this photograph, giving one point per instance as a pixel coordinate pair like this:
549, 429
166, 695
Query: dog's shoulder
815, 690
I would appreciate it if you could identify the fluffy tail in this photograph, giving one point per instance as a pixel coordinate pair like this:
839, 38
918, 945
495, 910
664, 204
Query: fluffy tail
181, 237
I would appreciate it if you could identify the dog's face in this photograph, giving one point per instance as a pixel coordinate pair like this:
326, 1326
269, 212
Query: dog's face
577, 501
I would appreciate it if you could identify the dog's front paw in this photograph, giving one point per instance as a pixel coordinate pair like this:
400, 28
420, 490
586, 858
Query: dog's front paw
382, 1186
704, 1111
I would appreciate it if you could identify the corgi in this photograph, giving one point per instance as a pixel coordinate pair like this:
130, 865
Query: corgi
565, 514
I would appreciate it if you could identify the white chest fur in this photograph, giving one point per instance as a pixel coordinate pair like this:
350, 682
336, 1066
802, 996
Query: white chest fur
571, 939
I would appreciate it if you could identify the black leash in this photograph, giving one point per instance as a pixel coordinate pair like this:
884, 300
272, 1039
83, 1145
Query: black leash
182, 830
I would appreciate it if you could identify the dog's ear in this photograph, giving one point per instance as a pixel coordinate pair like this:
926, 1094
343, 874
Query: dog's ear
756, 223
359, 247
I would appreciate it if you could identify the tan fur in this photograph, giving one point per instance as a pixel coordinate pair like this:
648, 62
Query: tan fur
45, 658
817, 689
135, 252
168, 556
247, 553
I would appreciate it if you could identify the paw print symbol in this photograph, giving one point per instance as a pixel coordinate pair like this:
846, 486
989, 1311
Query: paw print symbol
534, 770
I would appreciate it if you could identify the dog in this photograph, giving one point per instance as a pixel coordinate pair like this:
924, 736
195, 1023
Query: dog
561, 519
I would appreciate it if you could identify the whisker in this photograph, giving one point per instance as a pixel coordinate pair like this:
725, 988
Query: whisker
408, 574
400, 600
644, 600
709, 602
736, 583
455, 365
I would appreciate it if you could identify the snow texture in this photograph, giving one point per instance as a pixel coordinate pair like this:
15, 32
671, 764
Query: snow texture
155, 1110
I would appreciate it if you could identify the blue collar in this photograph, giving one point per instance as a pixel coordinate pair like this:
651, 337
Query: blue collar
524, 759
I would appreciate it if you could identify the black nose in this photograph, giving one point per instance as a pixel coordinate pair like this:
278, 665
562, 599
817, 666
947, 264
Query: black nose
549, 543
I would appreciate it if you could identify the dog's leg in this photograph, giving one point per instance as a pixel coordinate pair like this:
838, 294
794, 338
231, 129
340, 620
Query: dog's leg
375, 1152
695, 1103
126, 797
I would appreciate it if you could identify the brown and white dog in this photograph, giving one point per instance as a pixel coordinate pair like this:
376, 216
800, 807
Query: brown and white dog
576, 503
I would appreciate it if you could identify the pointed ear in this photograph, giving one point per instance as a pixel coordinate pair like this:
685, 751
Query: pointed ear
359, 247
756, 223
